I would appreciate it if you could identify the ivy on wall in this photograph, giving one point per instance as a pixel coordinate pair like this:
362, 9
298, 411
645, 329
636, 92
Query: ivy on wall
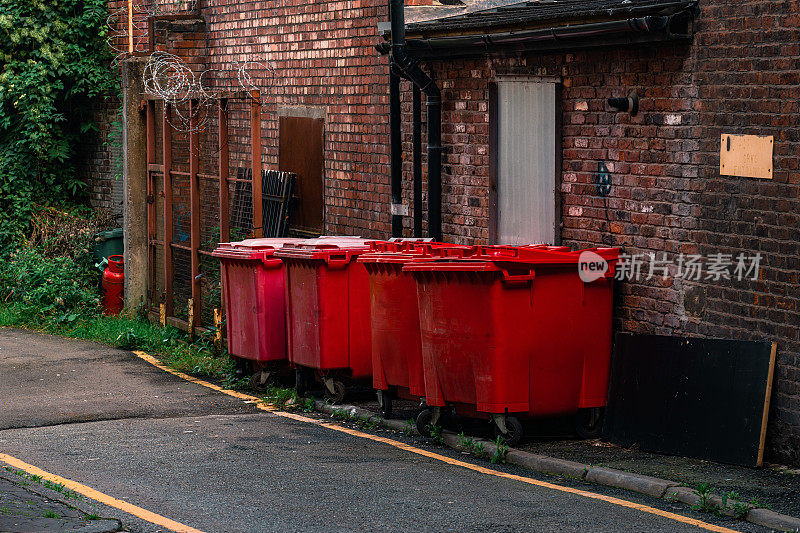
54, 60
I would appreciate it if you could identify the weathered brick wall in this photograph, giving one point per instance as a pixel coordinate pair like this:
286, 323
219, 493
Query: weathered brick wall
99, 159
667, 194
318, 55
300, 55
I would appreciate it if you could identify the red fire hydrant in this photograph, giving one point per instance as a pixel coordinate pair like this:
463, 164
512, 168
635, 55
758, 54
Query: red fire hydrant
113, 285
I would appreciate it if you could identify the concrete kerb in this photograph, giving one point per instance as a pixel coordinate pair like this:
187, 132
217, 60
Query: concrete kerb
655, 487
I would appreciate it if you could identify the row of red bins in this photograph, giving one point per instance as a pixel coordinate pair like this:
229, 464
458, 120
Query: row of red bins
494, 332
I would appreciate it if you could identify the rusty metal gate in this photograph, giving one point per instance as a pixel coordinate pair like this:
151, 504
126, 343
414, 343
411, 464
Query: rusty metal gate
201, 191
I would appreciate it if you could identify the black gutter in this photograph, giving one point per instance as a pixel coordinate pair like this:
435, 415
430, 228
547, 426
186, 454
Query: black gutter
627, 31
410, 68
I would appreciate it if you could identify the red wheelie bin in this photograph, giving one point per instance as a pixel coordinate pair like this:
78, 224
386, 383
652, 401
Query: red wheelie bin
394, 317
327, 312
515, 332
253, 294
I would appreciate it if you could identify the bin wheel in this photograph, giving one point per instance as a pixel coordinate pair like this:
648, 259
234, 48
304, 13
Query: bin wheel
424, 419
513, 431
337, 396
300, 382
385, 403
260, 381
242, 366
589, 422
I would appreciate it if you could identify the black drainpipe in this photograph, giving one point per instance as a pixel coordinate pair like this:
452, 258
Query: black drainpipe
411, 69
416, 112
396, 152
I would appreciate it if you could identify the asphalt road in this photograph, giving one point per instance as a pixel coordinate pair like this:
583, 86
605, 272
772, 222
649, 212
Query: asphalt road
106, 419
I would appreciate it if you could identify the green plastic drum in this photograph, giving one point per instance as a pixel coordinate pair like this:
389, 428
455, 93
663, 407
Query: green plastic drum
107, 243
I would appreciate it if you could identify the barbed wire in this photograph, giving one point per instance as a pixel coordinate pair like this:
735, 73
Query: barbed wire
168, 77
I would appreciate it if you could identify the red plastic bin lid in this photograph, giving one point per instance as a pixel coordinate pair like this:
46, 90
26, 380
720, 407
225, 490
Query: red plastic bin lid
403, 252
256, 249
542, 254
331, 249
503, 258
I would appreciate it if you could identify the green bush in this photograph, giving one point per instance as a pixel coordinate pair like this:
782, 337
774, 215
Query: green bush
59, 289
54, 62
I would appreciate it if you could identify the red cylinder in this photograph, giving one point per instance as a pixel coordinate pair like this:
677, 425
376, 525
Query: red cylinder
113, 285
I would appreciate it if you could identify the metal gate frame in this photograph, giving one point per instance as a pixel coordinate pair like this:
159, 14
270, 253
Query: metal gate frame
163, 300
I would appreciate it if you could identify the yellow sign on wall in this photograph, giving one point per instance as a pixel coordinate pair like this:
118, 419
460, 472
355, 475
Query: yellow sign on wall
748, 156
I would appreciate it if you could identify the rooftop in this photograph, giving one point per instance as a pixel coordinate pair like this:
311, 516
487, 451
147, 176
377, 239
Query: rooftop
476, 14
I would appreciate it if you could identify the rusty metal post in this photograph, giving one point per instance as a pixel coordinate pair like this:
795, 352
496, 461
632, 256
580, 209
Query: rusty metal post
224, 169
167, 148
255, 136
130, 26
194, 206
152, 234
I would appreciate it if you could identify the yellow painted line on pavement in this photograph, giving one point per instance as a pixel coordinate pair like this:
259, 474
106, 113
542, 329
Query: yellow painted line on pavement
96, 495
261, 404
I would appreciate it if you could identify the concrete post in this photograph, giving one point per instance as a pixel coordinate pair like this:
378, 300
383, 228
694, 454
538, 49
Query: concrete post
134, 182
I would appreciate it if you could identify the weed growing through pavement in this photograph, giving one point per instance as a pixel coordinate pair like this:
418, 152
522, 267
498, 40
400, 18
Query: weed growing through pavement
51, 514
410, 427
500, 452
92, 516
340, 414
58, 487
758, 503
469, 445
705, 503
436, 433
367, 422
732, 501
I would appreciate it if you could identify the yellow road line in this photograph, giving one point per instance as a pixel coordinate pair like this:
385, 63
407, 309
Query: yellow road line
89, 492
261, 404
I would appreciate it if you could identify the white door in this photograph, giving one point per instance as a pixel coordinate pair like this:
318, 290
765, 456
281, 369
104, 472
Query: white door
526, 162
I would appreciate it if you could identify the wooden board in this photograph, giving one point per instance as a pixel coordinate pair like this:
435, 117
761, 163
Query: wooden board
702, 398
301, 151
748, 156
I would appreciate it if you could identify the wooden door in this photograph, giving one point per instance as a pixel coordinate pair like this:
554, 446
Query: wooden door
301, 150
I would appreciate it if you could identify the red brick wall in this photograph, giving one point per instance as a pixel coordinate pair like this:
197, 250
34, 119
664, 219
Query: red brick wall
99, 159
303, 54
322, 56
667, 195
